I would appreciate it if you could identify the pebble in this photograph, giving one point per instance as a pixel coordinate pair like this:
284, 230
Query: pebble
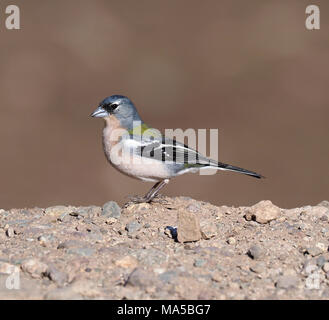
168, 276
255, 252
188, 228
208, 230
126, 262
133, 226
320, 261
199, 262
263, 212
258, 268
314, 251
111, 210
231, 240
325, 267
57, 211
287, 282
317, 211
87, 212
10, 232
34, 267
151, 257
45, 239
194, 207
141, 278
84, 251
171, 232
324, 203
57, 276
71, 244
65, 217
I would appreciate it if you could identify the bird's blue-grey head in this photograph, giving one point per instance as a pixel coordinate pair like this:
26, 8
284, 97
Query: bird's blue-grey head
120, 107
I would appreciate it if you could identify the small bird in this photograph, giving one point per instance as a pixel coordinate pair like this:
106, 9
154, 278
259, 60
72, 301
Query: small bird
142, 152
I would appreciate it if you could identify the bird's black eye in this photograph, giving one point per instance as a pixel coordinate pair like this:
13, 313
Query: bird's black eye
110, 107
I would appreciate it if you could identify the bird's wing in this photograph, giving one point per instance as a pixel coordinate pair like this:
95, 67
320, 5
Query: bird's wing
168, 150
171, 151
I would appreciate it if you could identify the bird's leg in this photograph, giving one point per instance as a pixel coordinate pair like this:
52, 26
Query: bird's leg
152, 193
151, 190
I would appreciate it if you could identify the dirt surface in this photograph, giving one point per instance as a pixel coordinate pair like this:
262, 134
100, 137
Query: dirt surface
174, 248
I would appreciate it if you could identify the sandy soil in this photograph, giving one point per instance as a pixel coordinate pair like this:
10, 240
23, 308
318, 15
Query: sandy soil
174, 248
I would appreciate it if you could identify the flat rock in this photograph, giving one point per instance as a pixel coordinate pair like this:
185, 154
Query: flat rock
34, 267
188, 228
111, 210
263, 212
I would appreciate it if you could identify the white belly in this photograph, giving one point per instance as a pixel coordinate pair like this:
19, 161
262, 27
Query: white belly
135, 166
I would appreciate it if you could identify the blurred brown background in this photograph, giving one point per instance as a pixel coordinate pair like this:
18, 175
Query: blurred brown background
248, 68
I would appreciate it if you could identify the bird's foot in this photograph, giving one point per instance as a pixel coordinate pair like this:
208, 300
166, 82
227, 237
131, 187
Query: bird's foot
138, 199
159, 198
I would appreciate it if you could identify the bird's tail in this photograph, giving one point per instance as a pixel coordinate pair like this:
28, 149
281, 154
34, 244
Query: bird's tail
228, 167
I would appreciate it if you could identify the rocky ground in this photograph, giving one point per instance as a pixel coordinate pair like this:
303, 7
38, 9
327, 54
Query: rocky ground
174, 248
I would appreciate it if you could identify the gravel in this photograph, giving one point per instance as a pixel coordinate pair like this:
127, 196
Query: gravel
111, 210
179, 248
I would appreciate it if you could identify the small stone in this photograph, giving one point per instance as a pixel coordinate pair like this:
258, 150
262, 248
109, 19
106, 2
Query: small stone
110, 220
317, 211
263, 212
57, 276
133, 226
10, 232
226, 210
217, 276
208, 230
84, 251
314, 251
188, 227
70, 244
140, 278
111, 210
231, 240
45, 239
126, 262
320, 261
65, 217
322, 246
258, 268
193, 207
309, 266
255, 252
199, 262
171, 232
324, 203
325, 267
87, 212
287, 282
168, 276
57, 211
34, 267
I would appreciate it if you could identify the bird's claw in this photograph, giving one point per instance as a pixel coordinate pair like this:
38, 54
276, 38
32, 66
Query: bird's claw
138, 199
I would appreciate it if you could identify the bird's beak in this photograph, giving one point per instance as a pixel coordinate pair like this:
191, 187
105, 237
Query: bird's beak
99, 113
